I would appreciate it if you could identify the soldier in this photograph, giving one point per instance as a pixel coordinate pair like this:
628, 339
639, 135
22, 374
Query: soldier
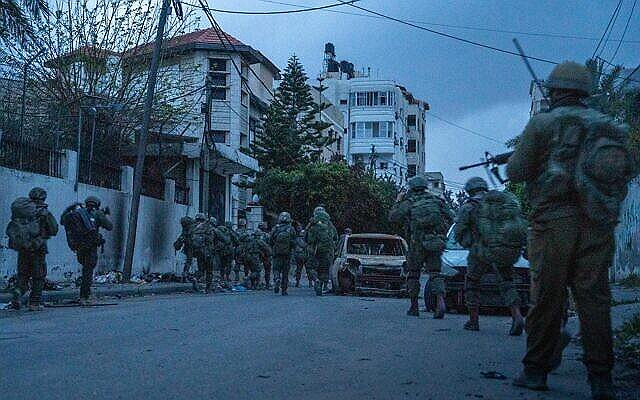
235, 238
283, 242
477, 225
253, 251
576, 168
204, 240
243, 238
263, 232
321, 237
31, 225
228, 243
426, 219
184, 243
300, 255
83, 224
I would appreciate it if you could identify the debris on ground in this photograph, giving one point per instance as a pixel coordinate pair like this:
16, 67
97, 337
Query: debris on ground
627, 352
111, 277
493, 375
631, 281
137, 279
6, 306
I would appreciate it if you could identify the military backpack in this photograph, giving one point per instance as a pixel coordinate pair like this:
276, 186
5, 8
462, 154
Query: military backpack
501, 228
82, 232
323, 240
427, 222
199, 236
23, 229
225, 240
282, 240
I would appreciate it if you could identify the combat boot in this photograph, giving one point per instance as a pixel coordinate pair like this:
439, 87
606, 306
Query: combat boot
276, 287
531, 379
297, 282
473, 324
36, 306
284, 292
413, 309
318, 287
236, 276
602, 386
441, 307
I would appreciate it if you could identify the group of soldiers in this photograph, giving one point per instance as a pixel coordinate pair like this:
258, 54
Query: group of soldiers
575, 164
260, 253
32, 225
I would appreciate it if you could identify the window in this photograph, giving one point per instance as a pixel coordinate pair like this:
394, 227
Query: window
384, 165
412, 146
361, 99
371, 129
376, 129
218, 136
411, 170
218, 64
343, 101
383, 98
411, 120
244, 140
244, 100
389, 129
339, 145
219, 93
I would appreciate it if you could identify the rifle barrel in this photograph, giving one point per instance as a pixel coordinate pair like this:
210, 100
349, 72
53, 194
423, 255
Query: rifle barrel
480, 164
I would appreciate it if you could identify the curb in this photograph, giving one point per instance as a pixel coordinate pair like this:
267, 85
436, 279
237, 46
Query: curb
138, 290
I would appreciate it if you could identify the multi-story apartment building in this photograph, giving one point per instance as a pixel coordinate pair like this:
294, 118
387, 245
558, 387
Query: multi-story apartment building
375, 113
416, 134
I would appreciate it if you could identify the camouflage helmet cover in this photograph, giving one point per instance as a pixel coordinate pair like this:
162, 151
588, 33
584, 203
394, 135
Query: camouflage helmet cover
475, 184
201, 217
418, 182
92, 200
186, 221
242, 222
284, 217
38, 193
318, 209
572, 76
213, 220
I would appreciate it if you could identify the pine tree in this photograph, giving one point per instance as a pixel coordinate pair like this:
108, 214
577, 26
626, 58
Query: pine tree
291, 133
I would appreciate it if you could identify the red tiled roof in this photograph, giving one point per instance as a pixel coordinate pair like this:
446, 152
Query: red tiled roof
203, 36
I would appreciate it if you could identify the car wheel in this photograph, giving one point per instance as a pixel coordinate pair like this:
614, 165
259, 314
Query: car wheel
345, 283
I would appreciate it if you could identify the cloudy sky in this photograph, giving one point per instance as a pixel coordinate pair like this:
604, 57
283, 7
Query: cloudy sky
476, 88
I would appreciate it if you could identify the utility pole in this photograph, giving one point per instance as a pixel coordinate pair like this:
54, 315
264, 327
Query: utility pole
142, 142
204, 159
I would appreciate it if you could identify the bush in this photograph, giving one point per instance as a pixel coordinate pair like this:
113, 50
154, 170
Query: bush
354, 198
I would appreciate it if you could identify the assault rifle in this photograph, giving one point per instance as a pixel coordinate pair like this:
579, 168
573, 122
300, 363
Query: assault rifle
492, 163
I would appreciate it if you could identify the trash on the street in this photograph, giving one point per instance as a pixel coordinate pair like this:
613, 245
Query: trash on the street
493, 375
111, 277
5, 306
137, 279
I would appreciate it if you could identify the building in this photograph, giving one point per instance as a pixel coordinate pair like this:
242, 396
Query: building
376, 112
336, 129
436, 183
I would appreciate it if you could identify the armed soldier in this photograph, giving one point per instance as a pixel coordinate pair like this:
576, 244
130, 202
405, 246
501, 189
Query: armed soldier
228, 242
31, 225
321, 237
283, 242
576, 168
243, 239
426, 219
489, 224
263, 232
82, 224
301, 255
184, 243
254, 250
204, 241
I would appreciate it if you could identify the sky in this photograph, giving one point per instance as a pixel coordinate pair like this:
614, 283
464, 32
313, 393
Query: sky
479, 89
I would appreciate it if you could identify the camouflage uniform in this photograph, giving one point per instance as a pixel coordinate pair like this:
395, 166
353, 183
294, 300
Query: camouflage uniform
282, 257
184, 243
300, 255
262, 231
205, 252
243, 239
253, 251
566, 247
32, 265
321, 250
418, 256
226, 254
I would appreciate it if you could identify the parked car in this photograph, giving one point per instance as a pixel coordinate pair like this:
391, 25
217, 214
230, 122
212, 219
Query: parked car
454, 267
370, 263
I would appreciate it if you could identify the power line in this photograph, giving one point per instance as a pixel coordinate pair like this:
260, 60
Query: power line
513, 53
628, 78
624, 32
606, 41
466, 27
276, 12
606, 29
465, 129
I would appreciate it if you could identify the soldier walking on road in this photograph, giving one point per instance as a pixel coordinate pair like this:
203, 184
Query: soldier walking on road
228, 243
283, 242
301, 255
253, 250
576, 167
263, 232
204, 240
321, 237
426, 219
30, 227
243, 239
184, 243
82, 224
490, 225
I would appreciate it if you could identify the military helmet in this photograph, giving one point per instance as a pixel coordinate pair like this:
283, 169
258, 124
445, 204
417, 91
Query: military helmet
92, 200
319, 209
242, 222
418, 182
213, 220
284, 217
262, 226
38, 193
572, 76
475, 184
201, 217
229, 224
186, 221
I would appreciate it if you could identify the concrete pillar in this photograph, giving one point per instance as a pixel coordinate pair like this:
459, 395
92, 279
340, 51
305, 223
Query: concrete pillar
126, 180
170, 190
70, 167
193, 180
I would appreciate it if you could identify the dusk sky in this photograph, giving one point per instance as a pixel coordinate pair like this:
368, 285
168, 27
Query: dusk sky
476, 88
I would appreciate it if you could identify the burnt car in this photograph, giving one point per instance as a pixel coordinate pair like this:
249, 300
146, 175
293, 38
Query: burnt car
370, 263
454, 267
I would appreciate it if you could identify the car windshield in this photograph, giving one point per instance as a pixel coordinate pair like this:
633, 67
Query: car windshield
374, 247
452, 244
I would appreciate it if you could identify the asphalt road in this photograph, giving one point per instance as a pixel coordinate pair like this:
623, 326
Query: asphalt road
262, 346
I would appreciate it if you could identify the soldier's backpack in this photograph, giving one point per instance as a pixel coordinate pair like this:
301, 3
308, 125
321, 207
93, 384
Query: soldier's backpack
323, 237
282, 240
82, 232
501, 228
427, 223
225, 241
23, 229
604, 167
199, 236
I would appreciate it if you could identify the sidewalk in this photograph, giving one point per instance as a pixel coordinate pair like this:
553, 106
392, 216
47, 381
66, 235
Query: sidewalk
111, 290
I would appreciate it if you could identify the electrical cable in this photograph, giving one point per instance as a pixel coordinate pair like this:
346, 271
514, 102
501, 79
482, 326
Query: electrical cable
238, 12
465, 129
606, 41
624, 32
606, 29
466, 27
628, 78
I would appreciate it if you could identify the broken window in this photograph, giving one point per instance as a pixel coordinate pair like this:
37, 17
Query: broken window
411, 120
412, 146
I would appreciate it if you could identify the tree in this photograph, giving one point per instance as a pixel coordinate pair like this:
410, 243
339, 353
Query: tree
353, 197
16, 18
292, 132
455, 201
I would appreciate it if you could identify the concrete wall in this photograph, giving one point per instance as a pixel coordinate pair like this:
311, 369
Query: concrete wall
158, 223
627, 257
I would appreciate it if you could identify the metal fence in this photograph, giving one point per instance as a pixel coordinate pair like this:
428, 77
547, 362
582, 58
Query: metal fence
96, 174
31, 158
153, 188
182, 194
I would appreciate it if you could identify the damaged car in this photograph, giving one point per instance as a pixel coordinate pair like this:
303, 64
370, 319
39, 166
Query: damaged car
454, 268
370, 263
